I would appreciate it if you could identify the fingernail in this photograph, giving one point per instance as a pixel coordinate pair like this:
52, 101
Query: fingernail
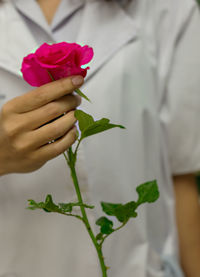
77, 80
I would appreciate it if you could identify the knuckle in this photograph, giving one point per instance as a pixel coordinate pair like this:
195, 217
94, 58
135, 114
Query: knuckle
56, 132
5, 110
54, 129
53, 109
59, 148
13, 126
40, 96
73, 135
19, 142
76, 100
64, 84
10, 130
20, 146
16, 146
71, 116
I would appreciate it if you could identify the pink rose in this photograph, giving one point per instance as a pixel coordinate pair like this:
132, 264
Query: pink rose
57, 60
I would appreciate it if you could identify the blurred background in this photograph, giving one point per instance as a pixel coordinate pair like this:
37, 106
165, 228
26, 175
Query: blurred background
198, 174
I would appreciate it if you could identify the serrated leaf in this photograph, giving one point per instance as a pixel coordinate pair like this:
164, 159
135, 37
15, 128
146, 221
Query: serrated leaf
80, 93
109, 208
147, 192
121, 211
65, 207
126, 211
34, 205
84, 119
105, 224
99, 236
49, 205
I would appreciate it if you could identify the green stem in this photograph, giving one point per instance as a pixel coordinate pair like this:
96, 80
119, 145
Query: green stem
74, 215
118, 228
66, 158
86, 221
76, 150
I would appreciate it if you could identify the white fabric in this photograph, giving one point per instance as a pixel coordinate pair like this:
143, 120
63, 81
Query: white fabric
66, 20
145, 76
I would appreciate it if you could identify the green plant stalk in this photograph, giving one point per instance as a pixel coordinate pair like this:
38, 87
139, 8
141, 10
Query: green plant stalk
85, 219
118, 228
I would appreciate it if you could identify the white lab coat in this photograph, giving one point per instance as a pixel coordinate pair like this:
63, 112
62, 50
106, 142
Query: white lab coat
144, 76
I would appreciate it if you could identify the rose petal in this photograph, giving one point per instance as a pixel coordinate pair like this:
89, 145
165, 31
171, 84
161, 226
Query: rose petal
60, 60
66, 71
51, 56
87, 54
33, 73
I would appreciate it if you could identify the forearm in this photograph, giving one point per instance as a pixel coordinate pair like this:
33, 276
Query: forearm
188, 223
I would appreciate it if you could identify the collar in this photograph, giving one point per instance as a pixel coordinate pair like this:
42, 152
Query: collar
32, 10
107, 28
65, 10
104, 26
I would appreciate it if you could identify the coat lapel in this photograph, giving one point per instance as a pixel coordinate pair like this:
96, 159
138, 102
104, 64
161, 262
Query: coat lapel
107, 28
16, 40
104, 26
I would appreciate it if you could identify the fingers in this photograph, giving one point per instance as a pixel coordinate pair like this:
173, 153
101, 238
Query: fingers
24, 132
52, 110
52, 131
45, 94
52, 150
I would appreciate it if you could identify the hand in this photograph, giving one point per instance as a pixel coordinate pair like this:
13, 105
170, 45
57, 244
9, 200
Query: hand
24, 134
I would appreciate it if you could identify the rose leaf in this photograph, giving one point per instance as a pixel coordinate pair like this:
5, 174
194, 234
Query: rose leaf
84, 119
105, 224
80, 93
109, 208
147, 192
123, 212
98, 127
50, 206
90, 127
99, 236
47, 206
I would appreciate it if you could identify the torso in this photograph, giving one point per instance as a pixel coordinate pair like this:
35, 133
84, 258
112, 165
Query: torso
127, 95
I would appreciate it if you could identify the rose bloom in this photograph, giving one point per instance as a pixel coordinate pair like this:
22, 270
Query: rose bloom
55, 61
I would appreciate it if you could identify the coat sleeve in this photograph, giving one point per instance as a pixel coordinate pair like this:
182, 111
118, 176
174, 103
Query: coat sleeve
181, 105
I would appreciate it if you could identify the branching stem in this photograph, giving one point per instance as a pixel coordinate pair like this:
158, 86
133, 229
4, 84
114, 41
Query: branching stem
103, 239
84, 215
75, 152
